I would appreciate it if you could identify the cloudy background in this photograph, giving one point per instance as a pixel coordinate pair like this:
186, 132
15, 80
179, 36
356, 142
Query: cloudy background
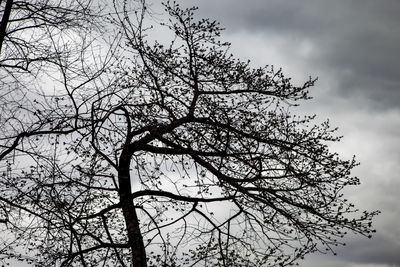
352, 47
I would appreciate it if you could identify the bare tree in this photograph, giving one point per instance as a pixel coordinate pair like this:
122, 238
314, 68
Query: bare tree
27, 26
39, 41
176, 155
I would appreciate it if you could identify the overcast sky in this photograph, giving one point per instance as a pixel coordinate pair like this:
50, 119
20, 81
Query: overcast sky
353, 48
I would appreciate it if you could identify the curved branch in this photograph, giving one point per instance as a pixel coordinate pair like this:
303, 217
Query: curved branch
178, 197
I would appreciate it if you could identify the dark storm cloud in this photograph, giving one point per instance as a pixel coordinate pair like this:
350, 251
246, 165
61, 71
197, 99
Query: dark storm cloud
356, 41
377, 252
353, 47
359, 253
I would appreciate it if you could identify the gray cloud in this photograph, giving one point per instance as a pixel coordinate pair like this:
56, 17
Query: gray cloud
352, 46
380, 251
360, 252
357, 41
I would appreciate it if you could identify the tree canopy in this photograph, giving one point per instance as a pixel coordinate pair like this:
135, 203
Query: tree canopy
123, 148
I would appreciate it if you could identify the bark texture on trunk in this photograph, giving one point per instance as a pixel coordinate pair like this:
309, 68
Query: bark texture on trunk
131, 220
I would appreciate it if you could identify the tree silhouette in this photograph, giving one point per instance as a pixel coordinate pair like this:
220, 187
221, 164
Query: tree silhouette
171, 154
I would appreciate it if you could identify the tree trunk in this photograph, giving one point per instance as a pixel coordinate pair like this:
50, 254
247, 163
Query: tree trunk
131, 220
4, 21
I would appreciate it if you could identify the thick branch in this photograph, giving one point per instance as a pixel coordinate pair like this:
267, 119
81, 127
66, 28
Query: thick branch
4, 22
178, 197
